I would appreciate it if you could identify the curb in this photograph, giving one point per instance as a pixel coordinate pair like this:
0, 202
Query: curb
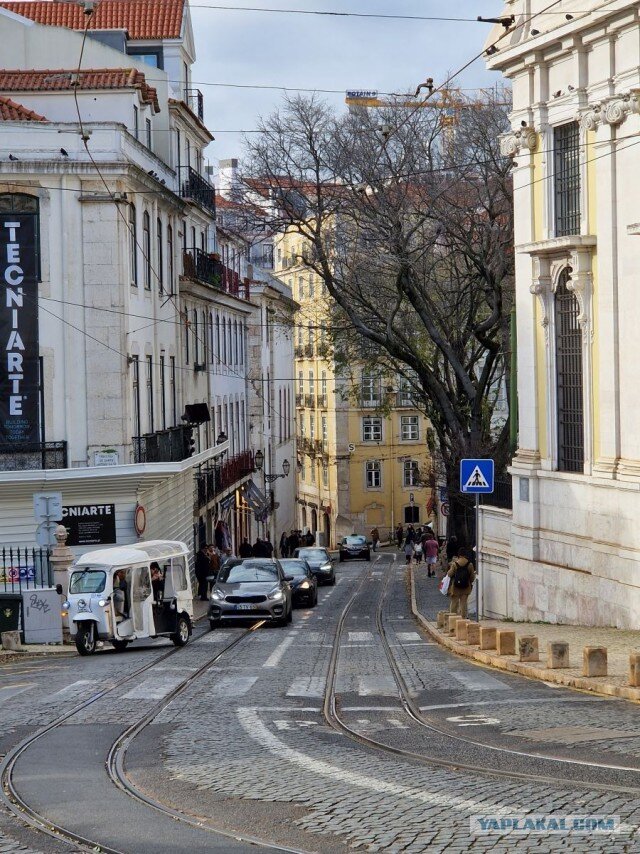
510, 663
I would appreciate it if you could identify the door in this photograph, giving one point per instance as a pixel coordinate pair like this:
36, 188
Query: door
142, 601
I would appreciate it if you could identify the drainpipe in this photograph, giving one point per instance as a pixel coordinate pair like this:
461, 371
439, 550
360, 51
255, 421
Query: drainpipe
513, 385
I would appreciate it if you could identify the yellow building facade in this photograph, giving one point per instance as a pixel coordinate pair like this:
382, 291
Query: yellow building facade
361, 444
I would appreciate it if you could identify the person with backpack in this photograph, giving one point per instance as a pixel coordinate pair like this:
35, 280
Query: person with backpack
461, 574
430, 548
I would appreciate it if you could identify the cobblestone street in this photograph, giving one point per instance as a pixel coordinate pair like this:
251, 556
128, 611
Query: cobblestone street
246, 748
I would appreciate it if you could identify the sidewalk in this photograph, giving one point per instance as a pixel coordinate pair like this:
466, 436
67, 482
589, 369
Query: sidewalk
426, 601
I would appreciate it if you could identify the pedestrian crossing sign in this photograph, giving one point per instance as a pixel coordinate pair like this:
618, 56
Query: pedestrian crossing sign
476, 476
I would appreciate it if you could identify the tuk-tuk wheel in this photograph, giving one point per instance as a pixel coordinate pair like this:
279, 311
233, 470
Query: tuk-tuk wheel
86, 638
181, 637
119, 645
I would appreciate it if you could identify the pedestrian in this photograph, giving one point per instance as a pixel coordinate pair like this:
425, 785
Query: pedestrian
417, 551
309, 539
408, 551
259, 549
461, 574
214, 563
430, 549
284, 545
294, 542
267, 546
219, 536
203, 570
399, 535
246, 549
375, 538
452, 548
411, 535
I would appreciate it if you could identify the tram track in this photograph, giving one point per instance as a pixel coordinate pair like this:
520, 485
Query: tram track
410, 709
115, 764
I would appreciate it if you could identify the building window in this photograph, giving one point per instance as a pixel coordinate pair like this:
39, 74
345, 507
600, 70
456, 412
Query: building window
150, 393
566, 178
312, 467
218, 352
163, 394
136, 122
146, 246
325, 474
411, 515
300, 336
170, 258
370, 389
133, 245
372, 429
409, 428
301, 429
148, 127
323, 386
300, 382
186, 336
300, 288
303, 474
569, 380
174, 396
312, 288
160, 247
325, 432
196, 338
373, 474
135, 386
312, 427
311, 383
411, 473
405, 397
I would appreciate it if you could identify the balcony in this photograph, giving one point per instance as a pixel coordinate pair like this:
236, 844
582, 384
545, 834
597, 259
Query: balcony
262, 256
309, 400
197, 189
403, 400
164, 446
319, 447
370, 402
308, 351
322, 401
33, 456
214, 478
194, 100
206, 267
299, 400
299, 351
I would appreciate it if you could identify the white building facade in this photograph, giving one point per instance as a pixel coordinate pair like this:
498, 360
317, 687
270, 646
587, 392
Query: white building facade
570, 551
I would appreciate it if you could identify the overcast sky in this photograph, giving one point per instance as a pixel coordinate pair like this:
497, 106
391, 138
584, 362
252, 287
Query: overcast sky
318, 52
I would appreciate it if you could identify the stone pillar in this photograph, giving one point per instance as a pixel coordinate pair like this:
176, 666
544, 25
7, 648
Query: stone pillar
594, 661
61, 559
634, 669
453, 619
506, 642
461, 630
557, 655
528, 648
473, 633
487, 637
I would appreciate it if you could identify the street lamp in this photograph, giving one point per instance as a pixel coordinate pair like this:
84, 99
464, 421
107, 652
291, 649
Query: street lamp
258, 460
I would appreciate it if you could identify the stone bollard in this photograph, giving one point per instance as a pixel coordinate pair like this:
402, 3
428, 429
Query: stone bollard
461, 630
443, 619
487, 637
453, 619
557, 655
473, 632
528, 648
594, 661
11, 641
506, 642
634, 669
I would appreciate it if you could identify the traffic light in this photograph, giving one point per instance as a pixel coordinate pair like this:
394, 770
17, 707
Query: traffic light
188, 442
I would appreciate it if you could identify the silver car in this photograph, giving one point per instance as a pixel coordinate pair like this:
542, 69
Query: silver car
254, 589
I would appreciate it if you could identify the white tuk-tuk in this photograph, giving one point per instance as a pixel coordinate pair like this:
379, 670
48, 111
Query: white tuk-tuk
125, 593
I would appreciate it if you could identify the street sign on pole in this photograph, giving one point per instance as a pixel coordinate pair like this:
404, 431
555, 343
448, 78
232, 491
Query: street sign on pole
45, 534
476, 476
47, 506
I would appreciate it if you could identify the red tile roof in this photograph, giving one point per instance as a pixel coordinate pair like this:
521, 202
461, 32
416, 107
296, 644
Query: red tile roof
142, 19
93, 78
12, 112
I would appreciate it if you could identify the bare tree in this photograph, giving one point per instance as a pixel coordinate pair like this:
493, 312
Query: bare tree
407, 216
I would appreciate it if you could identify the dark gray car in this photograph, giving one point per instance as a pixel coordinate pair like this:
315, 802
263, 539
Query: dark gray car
320, 562
255, 588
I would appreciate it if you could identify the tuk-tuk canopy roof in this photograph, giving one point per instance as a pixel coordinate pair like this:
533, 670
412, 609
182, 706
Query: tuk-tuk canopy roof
135, 553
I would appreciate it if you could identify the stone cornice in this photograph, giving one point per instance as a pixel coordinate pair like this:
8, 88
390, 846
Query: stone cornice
611, 111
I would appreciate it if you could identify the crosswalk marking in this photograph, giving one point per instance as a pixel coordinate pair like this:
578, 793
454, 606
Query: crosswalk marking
74, 687
235, 686
214, 637
277, 655
372, 685
360, 636
479, 681
396, 723
307, 686
154, 688
408, 636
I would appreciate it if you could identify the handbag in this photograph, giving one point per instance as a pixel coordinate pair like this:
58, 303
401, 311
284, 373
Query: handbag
444, 585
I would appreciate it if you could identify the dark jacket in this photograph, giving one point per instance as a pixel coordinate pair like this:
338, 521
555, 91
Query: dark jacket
245, 550
455, 563
203, 566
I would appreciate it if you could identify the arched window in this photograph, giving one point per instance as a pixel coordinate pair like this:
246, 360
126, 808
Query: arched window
146, 247
569, 379
133, 245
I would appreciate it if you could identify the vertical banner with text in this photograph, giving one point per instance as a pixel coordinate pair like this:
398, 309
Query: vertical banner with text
19, 365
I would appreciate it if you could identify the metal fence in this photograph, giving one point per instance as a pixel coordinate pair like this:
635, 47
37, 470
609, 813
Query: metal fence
24, 569
502, 495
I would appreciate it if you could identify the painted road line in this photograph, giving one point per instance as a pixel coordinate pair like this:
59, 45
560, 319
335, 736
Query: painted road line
214, 637
154, 688
478, 681
294, 709
396, 723
307, 686
9, 691
380, 686
235, 686
369, 709
276, 656
408, 636
360, 636
554, 700
74, 687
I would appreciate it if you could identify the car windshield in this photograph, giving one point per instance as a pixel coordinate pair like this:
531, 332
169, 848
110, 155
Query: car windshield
354, 541
313, 554
88, 581
294, 567
248, 572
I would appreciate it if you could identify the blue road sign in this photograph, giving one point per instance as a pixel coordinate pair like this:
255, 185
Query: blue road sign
476, 476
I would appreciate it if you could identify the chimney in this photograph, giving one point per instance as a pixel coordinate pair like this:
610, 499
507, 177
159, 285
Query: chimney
228, 178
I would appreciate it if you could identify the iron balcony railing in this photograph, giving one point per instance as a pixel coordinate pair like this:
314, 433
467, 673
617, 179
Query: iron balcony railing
322, 401
502, 495
164, 446
309, 400
196, 188
299, 400
215, 477
35, 455
206, 267
308, 350
24, 569
194, 100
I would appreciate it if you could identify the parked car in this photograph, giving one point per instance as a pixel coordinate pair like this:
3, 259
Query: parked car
355, 546
255, 588
304, 587
320, 562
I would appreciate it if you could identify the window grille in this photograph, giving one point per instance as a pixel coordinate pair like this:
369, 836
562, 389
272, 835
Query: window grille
566, 147
570, 404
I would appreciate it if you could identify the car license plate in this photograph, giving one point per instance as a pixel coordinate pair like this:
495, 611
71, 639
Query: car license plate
244, 607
